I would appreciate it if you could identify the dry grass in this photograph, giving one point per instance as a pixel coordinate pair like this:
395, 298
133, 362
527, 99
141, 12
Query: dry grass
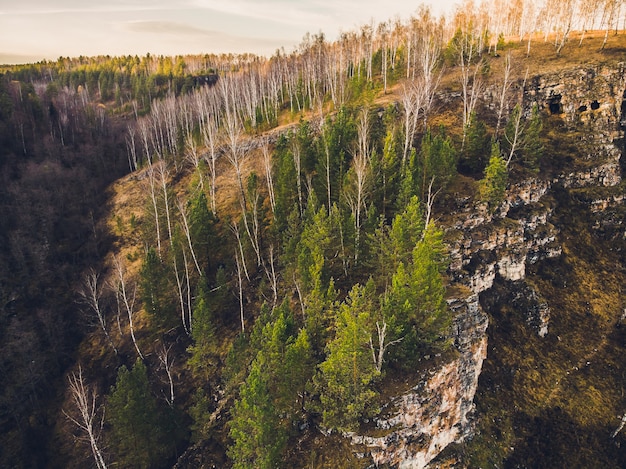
568, 381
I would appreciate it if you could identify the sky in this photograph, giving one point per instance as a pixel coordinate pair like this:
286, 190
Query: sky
32, 30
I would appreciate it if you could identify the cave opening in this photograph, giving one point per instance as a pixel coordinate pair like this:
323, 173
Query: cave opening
582, 108
554, 104
595, 105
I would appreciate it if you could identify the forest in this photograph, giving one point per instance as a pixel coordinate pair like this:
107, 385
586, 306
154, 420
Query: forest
235, 261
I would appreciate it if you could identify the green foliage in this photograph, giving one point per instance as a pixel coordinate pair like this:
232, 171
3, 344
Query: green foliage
284, 184
514, 124
318, 311
201, 228
257, 438
475, 154
391, 245
389, 170
416, 297
461, 41
273, 392
237, 361
533, 148
335, 145
155, 287
437, 162
408, 181
493, 185
304, 138
316, 243
202, 333
298, 371
138, 431
200, 414
529, 142
431, 168
346, 378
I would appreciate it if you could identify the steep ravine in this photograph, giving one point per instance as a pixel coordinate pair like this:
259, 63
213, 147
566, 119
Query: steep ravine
537, 299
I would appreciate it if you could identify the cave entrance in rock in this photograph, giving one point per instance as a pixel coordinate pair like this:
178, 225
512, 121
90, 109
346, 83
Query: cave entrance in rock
554, 104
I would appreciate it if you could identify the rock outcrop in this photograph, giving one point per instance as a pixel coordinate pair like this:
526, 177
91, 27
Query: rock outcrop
438, 410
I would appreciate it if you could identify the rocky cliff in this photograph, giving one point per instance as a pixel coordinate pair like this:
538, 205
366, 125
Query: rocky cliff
584, 108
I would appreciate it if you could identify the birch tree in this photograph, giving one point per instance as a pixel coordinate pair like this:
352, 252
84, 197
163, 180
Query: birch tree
240, 287
192, 155
380, 349
471, 82
504, 90
359, 178
152, 183
610, 17
187, 231
85, 399
412, 99
126, 298
131, 148
513, 133
563, 11
167, 362
427, 59
267, 167
90, 294
163, 174
208, 116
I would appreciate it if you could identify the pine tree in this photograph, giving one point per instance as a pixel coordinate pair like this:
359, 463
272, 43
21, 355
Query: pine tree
346, 378
335, 145
273, 392
155, 286
285, 189
202, 332
258, 439
493, 185
533, 148
408, 182
391, 245
299, 367
138, 437
437, 162
389, 168
416, 297
201, 222
476, 150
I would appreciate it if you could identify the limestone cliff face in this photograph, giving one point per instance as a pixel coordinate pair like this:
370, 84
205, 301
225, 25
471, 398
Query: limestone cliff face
439, 409
436, 412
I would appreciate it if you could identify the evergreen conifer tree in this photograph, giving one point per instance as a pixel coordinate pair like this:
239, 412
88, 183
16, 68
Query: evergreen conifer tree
493, 185
347, 376
138, 435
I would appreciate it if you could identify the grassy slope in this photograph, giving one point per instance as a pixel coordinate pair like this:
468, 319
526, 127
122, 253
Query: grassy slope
531, 396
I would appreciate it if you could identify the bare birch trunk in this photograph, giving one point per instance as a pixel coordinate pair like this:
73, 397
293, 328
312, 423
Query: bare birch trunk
84, 398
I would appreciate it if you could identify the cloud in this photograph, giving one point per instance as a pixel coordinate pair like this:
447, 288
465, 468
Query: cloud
169, 27
218, 41
61, 7
286, 12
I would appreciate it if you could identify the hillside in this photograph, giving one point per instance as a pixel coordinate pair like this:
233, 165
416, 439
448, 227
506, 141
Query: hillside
287, 265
